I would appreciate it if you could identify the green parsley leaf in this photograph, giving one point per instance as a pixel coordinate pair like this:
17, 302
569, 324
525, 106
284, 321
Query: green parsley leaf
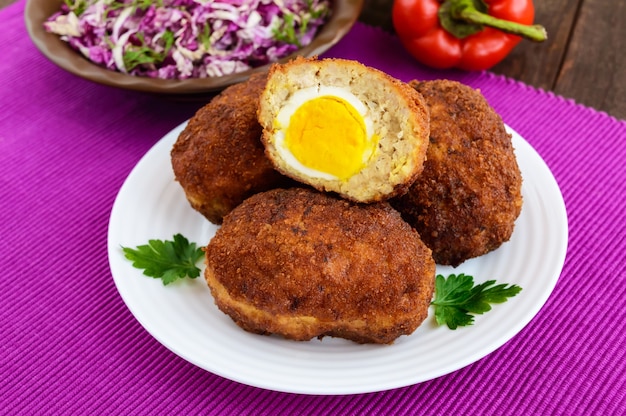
77, 6
456, 298
286, 32
295, 25
205, 36
143, 54
167, 260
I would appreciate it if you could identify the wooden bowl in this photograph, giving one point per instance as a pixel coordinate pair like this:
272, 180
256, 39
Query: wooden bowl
344, 15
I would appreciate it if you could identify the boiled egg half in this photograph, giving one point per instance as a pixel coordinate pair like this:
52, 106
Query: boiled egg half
325, 132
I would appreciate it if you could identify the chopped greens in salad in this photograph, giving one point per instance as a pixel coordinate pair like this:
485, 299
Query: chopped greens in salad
179, 39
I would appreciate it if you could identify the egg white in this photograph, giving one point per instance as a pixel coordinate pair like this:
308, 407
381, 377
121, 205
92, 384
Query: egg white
291, 106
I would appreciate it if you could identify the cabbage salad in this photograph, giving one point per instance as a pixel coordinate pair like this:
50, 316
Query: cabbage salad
179, 39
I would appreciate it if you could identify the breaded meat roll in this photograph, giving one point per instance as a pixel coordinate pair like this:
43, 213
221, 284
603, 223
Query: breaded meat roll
466, 201
343, 127
303, 264
218, 158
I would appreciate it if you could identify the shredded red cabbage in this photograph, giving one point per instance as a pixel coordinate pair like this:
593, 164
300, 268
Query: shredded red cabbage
178, 39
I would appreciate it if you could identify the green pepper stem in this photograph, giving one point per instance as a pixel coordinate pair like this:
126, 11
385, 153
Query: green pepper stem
466, 10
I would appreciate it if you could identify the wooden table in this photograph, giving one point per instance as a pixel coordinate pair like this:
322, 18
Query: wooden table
584, 57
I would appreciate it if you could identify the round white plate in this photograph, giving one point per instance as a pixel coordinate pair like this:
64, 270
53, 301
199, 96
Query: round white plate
183, 317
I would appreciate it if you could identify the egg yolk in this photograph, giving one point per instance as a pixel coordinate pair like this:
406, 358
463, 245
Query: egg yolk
328, 134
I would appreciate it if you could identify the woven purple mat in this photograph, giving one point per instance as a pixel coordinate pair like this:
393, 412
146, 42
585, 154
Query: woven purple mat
70, 345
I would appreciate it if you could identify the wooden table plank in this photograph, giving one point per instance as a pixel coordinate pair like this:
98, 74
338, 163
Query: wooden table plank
539, 64
377, 13
595, 64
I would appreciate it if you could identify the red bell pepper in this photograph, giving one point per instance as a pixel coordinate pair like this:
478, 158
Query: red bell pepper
465, 34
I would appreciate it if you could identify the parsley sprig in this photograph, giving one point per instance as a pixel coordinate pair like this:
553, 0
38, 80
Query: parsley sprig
144, 54
456, 298
294, 26
168, 260
77, 6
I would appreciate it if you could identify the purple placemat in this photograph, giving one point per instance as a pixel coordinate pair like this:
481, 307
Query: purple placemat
70, 346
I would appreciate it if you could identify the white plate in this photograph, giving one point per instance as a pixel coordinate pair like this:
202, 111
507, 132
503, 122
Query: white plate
184, 318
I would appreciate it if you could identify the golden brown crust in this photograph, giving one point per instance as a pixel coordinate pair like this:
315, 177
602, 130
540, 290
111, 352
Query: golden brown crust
465, 202
218, 158
398, 112
303, 264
